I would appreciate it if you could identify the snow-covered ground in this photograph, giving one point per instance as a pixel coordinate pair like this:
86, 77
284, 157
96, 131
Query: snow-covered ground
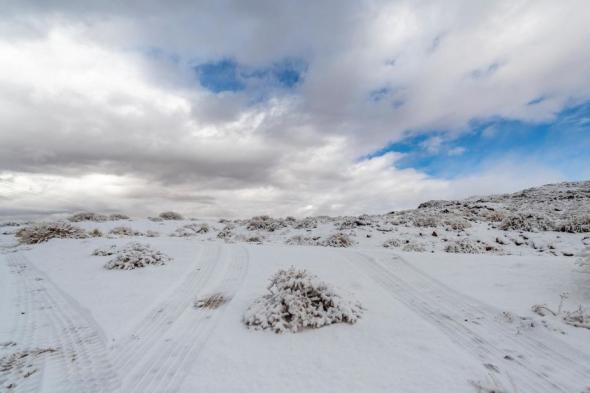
436, 318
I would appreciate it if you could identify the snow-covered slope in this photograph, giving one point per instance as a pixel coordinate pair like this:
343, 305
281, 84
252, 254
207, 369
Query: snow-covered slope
447, 292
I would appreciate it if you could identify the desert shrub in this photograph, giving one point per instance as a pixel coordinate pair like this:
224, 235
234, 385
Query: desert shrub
337, 240
95, 233
578, 224
392, 243
467, 246
299, 240
118, 216
150, 233
299, 300
191, 230
105, 251
226, 233
88, 216
42, 232
125, 231
354, 222
170, 216
135, 255
527, 222
265, 223
456, 223
424, 220
411, 246
306, 223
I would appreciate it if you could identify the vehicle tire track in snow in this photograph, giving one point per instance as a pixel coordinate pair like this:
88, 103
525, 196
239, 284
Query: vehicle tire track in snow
175, 354
24, 334
532, 366
155, 324
79, 346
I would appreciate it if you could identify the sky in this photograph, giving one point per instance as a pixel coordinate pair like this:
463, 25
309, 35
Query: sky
234, 108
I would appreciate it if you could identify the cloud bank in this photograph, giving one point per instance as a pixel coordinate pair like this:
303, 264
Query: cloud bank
223, 108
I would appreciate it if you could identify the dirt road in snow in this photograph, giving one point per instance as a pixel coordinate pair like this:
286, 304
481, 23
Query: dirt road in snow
523, 362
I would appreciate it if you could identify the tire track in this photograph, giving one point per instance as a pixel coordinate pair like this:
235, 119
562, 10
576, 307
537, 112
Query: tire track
175, 355
80, 352
474, 328
155, 324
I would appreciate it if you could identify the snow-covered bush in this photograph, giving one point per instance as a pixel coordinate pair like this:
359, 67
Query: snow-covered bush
579, 224
42, 232
226, 233
299, 240
95, 233
265, 223
88, 216
135, 255
170, 216
392, 243
354, 222
337, 240
412, 246
456, 223
425, 220
155, 219
299, 300
465, 246
150, 233
306, 223
118, 216
125, 231
105, 251
191, 230
527, 222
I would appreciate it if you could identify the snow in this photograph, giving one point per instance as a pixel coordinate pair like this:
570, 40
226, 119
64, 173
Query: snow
431, 321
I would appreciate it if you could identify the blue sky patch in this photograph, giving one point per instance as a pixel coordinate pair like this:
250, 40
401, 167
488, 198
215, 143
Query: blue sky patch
229, 75
563, 145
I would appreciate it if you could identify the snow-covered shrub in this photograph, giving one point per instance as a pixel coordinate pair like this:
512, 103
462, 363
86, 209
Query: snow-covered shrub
105, 251
118, 216
465, 246
299, 300
191, 230
354, 222
527, 222
412, 246
306, 223
226, 233
456, 223
265, 223
150, 233
125, 231
392, 243
135, 255
495, 216
95, 233
42, 232
88, 216
170, 216
299, 240
337, 240
155, 219
425, 220
577, 224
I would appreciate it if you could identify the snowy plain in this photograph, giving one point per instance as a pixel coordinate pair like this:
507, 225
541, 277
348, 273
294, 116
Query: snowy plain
434, 319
